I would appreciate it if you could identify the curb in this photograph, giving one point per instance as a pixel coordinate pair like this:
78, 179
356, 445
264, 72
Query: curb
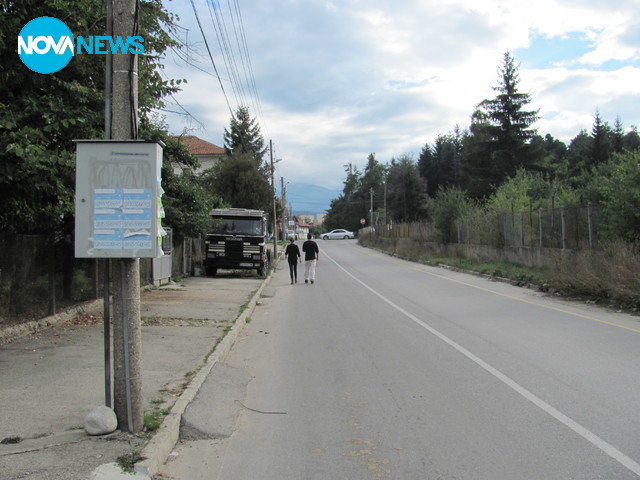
161, 444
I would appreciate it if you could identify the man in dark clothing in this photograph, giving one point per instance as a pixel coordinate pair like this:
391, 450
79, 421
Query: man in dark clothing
311, 256
293, 256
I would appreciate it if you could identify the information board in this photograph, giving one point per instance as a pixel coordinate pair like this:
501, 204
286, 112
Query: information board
118, 199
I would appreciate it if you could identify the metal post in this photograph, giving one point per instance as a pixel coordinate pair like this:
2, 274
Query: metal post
564, 238
107, 334
540, 226
590, 222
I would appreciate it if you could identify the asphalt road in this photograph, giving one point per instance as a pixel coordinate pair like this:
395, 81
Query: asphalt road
389, 369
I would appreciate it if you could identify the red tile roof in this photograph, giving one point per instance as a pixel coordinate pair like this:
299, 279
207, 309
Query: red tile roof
197, 146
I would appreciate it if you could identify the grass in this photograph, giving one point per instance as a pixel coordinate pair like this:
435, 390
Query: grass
153, 420
518, 274
128, 461
607, 275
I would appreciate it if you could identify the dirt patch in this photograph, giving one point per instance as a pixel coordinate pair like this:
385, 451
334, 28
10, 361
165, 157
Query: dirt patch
183, 322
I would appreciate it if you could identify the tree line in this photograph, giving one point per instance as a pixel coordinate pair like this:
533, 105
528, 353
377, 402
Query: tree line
498, 164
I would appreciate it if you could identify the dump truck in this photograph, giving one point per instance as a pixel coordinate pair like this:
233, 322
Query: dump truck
238, 240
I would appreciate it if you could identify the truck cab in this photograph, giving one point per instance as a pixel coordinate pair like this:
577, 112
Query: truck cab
238, 240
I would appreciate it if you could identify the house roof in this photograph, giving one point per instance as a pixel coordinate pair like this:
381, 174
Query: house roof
197, 146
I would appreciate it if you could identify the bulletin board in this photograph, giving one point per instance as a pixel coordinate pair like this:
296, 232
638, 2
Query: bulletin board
118, 199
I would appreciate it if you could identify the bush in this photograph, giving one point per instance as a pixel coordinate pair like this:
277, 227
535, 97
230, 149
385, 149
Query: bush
449, 205
621, 196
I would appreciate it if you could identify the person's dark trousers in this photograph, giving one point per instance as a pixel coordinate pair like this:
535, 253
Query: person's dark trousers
293, 272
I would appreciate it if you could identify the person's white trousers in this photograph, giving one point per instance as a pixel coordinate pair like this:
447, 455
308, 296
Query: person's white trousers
310, 269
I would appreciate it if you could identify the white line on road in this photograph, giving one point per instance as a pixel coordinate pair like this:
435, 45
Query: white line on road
555, 413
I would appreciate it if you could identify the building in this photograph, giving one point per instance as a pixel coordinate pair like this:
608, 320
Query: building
207, 153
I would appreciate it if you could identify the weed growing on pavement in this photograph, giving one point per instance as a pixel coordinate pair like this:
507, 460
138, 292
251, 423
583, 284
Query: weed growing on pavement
128, 461
153, 419
10, 440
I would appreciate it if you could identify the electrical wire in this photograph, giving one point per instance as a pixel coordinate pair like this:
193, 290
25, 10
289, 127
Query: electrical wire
195, 12
229, 58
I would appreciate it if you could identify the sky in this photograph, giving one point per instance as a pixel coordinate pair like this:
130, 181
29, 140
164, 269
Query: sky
331, 81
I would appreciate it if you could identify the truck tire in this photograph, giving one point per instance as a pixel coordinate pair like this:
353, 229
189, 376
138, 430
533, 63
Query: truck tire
211, 271
262, 271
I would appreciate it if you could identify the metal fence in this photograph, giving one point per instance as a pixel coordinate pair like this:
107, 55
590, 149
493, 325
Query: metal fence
565, 227
40, 276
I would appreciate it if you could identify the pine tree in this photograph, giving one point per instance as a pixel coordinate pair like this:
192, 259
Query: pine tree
406, 190
504, 132
601, 146
244, 136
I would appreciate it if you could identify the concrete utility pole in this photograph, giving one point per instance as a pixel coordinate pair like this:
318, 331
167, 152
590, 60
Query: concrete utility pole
275, 218
371, 207
285, 224
127, 339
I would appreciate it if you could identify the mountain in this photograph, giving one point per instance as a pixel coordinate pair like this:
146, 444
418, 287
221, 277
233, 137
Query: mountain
306, 198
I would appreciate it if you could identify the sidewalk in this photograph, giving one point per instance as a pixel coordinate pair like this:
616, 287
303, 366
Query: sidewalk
51, 379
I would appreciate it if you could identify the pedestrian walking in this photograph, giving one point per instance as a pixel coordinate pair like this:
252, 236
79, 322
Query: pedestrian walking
292, 253
311, 256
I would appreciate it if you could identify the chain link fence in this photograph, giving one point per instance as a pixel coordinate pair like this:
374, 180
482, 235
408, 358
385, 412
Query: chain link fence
581, 227
574, 228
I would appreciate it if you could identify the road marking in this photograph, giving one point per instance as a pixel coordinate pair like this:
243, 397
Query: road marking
530, 302
522, 300
591, 437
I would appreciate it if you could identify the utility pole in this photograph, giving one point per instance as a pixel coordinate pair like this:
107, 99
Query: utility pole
371, 207
285, 224
127, 338
275, 218
385, 204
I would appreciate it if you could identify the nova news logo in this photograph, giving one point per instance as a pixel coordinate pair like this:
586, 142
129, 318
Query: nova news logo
46, 45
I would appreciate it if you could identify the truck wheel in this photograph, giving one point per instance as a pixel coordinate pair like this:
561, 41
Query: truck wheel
211, 271
262, 271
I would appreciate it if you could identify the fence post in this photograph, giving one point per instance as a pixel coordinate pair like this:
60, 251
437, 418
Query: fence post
590, 224
522, 229
540, 226
564, 237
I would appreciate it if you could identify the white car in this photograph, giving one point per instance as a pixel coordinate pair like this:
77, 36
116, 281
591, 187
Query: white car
337, 234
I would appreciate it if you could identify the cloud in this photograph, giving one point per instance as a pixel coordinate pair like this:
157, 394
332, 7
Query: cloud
338, 80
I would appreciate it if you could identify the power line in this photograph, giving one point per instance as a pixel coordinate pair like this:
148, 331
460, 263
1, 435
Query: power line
195, 12
227, 50
221, 35
243, 51
242, 80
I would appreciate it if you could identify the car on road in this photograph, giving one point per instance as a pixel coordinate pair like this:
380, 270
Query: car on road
337, 234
